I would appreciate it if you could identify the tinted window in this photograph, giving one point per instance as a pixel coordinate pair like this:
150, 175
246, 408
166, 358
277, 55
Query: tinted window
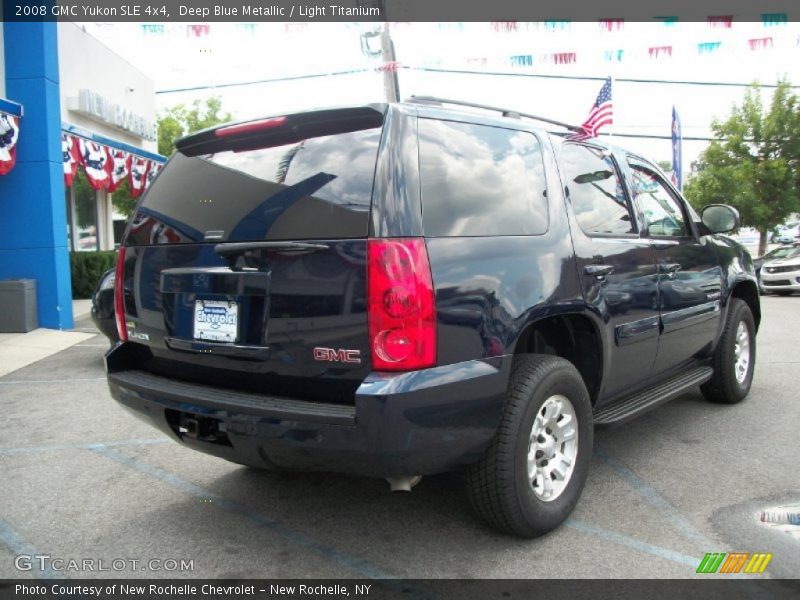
595, 190
661, 210
318, 188
480, 181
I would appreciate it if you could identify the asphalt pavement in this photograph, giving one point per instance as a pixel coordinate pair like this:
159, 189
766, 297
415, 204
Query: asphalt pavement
82, 479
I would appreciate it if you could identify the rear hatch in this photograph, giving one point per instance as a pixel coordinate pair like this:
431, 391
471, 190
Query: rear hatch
245, 261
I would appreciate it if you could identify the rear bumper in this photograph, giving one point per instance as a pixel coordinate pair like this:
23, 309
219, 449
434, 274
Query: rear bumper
416, 423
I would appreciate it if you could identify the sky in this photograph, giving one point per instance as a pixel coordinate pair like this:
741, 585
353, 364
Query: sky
176, 59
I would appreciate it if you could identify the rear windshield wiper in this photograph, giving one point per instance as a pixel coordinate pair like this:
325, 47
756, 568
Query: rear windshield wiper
251, 256
236, 248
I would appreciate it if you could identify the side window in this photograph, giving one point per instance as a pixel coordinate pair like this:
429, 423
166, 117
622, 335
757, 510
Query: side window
662, 211
480, 181
595, 191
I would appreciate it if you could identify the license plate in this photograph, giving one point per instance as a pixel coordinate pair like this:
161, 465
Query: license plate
216, 320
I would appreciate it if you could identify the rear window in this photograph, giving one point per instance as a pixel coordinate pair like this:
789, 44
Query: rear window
480, 181
318, 188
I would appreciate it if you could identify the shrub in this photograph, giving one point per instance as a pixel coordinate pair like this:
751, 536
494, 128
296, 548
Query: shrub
87, 268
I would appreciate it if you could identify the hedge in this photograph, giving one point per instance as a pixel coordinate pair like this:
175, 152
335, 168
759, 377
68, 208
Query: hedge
87, 267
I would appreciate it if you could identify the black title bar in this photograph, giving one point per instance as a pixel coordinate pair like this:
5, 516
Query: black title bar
203, 11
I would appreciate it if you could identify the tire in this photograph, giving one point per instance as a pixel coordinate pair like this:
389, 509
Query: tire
499, 487
724, 387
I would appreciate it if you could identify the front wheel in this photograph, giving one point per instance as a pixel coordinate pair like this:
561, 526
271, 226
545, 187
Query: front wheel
734, 359
532, 475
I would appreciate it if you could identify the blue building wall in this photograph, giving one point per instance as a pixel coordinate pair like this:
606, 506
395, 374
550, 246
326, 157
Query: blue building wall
33, 241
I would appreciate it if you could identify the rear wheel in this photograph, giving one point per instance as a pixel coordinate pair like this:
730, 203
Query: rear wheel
532, 475
735, 357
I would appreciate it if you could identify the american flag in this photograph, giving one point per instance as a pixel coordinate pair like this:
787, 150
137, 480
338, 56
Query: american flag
601, 114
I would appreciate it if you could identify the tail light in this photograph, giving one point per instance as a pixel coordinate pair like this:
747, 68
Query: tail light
119, 300
401, 305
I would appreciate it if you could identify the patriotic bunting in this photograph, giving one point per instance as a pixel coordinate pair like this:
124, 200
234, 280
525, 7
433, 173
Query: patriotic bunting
9, 134
137, 175
96, 161
70, 157
119, 169
152, 171
106, 168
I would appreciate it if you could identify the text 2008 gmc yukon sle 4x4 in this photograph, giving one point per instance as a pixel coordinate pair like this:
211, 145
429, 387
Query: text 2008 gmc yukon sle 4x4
406, 289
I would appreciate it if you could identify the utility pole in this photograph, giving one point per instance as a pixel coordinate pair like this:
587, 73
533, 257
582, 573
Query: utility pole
391, 85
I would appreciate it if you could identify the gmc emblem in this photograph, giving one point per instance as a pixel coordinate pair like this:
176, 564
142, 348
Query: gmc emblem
352, 357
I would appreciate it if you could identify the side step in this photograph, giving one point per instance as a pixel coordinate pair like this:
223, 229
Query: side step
640, 402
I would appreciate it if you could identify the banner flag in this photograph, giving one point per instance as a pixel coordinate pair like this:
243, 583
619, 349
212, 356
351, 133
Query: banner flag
723, 21
9, 134
677, 154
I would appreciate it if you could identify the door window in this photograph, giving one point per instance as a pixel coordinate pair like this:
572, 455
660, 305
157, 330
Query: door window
595, 191
662, 211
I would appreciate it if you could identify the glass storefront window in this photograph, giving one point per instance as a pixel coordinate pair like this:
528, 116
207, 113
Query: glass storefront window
84, 215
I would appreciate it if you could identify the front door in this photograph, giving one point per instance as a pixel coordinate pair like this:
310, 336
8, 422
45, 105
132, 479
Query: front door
616, 266
689, 275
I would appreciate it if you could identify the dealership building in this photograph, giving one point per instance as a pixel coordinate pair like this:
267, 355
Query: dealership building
74, 117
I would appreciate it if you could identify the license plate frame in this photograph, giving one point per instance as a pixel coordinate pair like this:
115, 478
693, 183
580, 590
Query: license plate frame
216, 321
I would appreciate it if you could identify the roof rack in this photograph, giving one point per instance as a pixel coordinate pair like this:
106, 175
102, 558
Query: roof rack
506, 112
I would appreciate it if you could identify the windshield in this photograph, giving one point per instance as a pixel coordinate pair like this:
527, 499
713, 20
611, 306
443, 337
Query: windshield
318, 188
780, 253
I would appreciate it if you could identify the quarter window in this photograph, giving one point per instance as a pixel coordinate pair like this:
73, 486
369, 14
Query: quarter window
595, 191
481, 181
662, 211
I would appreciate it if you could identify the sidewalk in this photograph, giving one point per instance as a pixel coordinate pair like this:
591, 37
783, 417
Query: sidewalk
19, 350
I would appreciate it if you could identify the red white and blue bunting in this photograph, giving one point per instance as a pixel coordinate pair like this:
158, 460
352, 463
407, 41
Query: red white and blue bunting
9, 134
106, 168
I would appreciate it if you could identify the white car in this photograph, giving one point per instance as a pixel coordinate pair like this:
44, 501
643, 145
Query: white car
782, 275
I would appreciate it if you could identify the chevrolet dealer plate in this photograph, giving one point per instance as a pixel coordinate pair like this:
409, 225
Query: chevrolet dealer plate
216, 320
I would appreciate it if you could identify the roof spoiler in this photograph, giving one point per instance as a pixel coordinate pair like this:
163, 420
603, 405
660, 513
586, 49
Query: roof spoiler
281, 130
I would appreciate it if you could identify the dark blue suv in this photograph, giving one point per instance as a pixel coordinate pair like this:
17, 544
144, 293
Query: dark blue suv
405, 289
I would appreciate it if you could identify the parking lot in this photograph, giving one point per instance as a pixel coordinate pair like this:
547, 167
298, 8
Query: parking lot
82, 479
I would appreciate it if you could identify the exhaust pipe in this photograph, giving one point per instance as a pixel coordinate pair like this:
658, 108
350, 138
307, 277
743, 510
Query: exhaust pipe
403, 484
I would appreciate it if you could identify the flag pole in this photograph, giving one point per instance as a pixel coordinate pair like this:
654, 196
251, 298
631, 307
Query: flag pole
611, 125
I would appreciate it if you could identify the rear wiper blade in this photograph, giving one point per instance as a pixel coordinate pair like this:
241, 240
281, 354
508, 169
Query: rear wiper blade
236, 248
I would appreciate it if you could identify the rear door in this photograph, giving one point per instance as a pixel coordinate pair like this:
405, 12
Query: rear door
689, 273
615, 263
246, 259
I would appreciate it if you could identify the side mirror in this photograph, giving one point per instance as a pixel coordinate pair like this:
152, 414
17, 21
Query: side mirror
720, 218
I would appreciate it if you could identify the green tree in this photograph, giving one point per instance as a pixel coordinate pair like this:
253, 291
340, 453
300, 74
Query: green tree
665, 165
754, 162
122, 199
181, 120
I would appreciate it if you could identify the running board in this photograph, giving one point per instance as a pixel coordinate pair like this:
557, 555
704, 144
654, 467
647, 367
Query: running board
632, 406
